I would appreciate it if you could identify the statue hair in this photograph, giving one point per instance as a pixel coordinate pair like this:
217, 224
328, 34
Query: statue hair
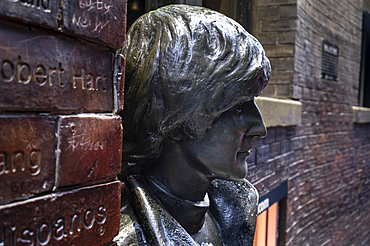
185, 66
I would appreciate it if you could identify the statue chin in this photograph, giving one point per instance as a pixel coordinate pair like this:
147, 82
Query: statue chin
189, 122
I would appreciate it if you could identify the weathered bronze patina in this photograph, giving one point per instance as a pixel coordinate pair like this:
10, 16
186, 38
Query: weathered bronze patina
189, 121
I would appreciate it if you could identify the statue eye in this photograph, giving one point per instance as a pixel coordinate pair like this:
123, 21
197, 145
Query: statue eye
238, 108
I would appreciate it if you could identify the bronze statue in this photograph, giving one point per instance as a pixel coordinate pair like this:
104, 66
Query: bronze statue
189, 121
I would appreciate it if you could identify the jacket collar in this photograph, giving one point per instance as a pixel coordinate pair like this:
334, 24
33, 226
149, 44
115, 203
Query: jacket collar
233, 205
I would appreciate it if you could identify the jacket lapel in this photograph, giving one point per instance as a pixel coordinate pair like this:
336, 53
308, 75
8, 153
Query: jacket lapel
160, 227
233, 205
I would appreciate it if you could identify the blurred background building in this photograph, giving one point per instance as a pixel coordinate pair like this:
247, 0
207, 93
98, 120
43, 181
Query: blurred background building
313, 168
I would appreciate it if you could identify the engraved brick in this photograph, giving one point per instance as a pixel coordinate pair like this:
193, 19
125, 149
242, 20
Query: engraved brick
85, 216
104, 20
43, 12
89, 148
27, 157
262, 153
43, 72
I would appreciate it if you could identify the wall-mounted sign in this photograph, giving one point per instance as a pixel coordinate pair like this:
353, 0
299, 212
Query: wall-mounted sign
273, 196
330, 61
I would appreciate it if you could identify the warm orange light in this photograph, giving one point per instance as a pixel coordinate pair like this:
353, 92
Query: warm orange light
135, 5
266, 228
272, 224
260, 236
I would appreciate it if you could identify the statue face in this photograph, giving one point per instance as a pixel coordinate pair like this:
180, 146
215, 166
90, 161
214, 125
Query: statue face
223, 151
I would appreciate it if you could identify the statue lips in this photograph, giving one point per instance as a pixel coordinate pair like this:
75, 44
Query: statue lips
242, 155
241, 160
246, 153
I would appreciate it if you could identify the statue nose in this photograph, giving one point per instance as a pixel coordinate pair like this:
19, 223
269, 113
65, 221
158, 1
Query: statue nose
257, 128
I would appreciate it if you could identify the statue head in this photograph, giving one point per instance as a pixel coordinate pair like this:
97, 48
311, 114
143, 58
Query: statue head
185, 66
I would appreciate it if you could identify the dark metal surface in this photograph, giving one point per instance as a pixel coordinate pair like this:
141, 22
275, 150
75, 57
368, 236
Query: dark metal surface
189, 122
89, 148
27, 157
43, 12
104, 20
39, 71
182, 84
85, 216
329, 61
119, 82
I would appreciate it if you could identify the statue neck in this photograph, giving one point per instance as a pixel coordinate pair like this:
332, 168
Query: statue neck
181, 187
181, 176
189, 214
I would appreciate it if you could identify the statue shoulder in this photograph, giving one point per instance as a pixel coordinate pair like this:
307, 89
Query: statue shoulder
234, 206
130, 231
252, 192
234, 190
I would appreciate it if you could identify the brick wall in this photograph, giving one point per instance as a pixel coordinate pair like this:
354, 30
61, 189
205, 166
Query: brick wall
58, 100
326, 157
275, 25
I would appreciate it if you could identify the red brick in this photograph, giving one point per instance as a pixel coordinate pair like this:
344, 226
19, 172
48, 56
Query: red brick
89, 148
27, 155
84, 216
38, 12
103, 20
40, 71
